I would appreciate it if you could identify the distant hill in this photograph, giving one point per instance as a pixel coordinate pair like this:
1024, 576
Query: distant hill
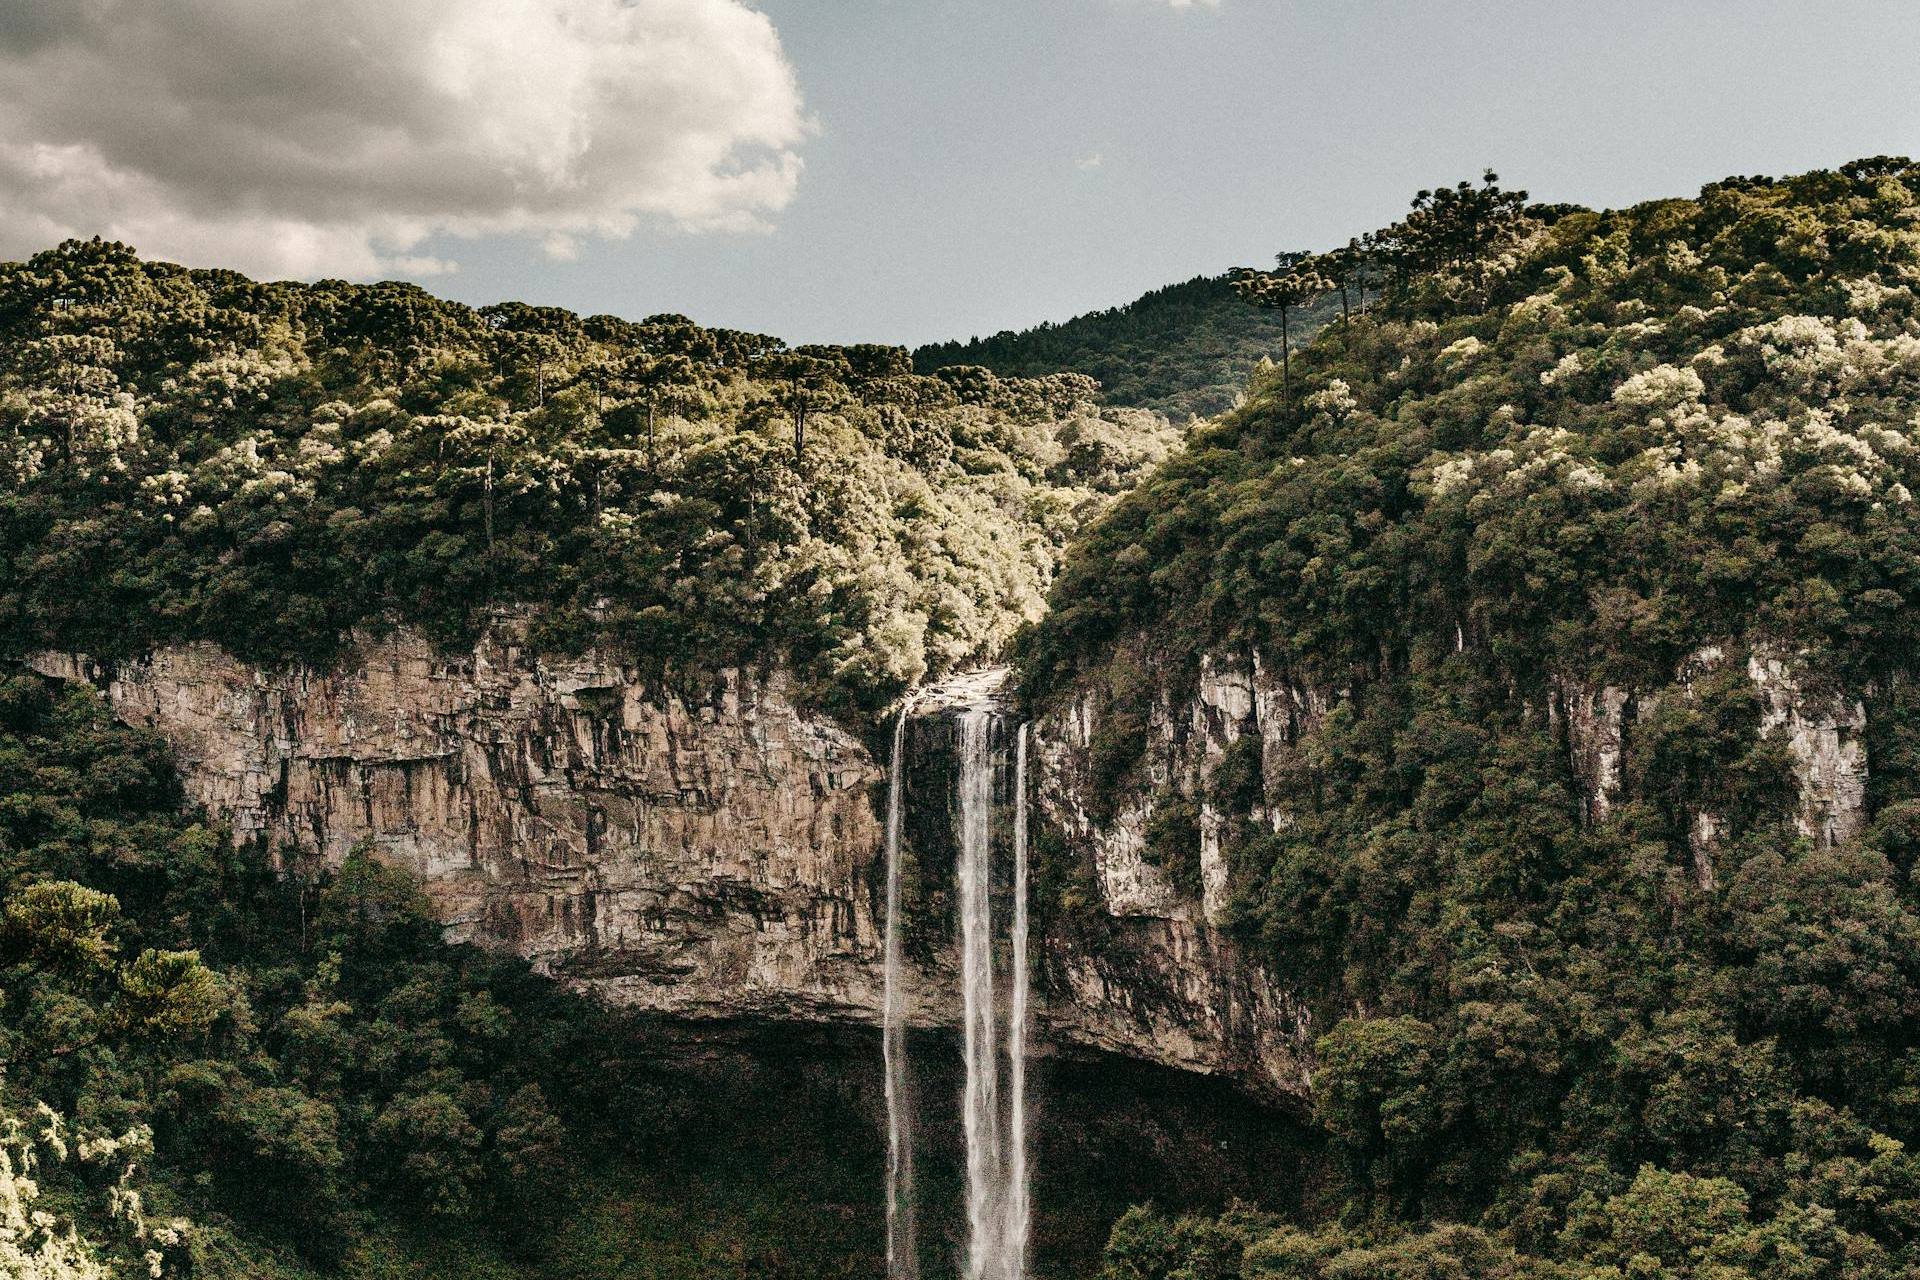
1185, 349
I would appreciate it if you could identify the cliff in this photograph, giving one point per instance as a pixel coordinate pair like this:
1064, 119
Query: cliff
708, 853
717, 853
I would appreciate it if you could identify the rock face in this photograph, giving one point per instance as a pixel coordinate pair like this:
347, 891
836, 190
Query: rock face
710, 853
717, 853
1824, 732
1254, 1021
692, 854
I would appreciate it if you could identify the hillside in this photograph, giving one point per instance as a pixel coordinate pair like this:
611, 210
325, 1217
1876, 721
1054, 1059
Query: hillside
1574, 583
1185, 350
1497, 737
274, 1046
194, 455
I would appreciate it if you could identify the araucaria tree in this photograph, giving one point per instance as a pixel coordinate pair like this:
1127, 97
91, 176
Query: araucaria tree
1297, 284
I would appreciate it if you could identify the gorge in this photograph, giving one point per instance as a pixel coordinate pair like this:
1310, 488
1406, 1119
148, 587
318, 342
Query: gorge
1454, 814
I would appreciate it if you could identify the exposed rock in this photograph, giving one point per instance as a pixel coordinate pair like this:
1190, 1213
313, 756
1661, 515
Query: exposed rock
1222, 711
709, 853
1703, 833
1825, 733
1247, 1018
1129, 884
1285, 714
1596, 721
702, 855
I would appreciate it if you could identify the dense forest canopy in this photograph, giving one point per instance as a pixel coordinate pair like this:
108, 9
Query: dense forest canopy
1185, 350
1567, 449
194, 455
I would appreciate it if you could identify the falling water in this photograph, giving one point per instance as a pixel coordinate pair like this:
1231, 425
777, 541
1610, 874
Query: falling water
980, 1102
998, 1209
1019, 1210
903, 1259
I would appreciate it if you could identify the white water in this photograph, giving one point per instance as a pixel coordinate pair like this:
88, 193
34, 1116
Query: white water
903, 1259
1019, 1208
994, 1110
998, 1208
980, 1101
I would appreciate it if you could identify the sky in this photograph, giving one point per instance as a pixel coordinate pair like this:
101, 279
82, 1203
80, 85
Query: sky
886, 170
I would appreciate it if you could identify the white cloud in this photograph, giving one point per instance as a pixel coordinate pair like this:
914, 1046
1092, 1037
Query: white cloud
292, 137
1089, 163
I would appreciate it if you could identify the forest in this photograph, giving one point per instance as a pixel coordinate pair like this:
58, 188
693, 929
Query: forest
1505, 450
220, 1065
1185, 350
193, 455
1562, 449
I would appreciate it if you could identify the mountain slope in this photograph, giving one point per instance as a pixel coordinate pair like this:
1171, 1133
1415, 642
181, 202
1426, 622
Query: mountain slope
193, 455
1563, 618
1184, 350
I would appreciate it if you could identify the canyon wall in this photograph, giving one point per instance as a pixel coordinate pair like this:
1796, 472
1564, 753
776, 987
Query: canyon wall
708, 851
715, 851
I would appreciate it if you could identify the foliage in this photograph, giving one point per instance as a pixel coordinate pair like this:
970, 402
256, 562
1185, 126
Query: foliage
1568, 451
310, 1082
1184, 350
193, 455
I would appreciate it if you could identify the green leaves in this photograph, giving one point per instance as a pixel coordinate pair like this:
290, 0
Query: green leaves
1585, 974
167, 993
61, 926
269, 467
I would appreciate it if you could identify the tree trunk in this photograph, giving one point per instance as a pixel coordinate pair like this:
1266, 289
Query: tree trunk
799, 436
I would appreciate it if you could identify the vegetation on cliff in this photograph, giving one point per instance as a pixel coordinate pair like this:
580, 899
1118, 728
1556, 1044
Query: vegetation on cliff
1185, 350
194, 455
1568, 450
221, 1069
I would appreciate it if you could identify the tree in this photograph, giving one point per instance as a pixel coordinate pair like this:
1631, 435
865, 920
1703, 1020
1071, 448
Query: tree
59, 960
670, 382
807, 380
1297, 285
1457, 228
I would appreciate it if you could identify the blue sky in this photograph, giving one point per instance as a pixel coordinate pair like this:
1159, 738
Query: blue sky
970, 165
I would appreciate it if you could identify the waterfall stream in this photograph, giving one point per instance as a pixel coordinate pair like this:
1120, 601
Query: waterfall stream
980, 1101
997, 1206
903, 1258
993, 1105
1019, 1210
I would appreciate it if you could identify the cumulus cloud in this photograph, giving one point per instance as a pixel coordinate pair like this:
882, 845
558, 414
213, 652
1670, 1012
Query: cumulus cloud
288, 137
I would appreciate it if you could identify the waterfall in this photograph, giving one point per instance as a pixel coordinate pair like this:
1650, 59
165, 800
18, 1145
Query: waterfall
903, 1258
980, 1101
1019, 1209
998, 1208
993, 1108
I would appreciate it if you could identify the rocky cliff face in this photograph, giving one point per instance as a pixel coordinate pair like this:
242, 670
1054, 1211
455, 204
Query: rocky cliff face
1244, 695
703, 854
1822, 728
717, 852
713, 852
